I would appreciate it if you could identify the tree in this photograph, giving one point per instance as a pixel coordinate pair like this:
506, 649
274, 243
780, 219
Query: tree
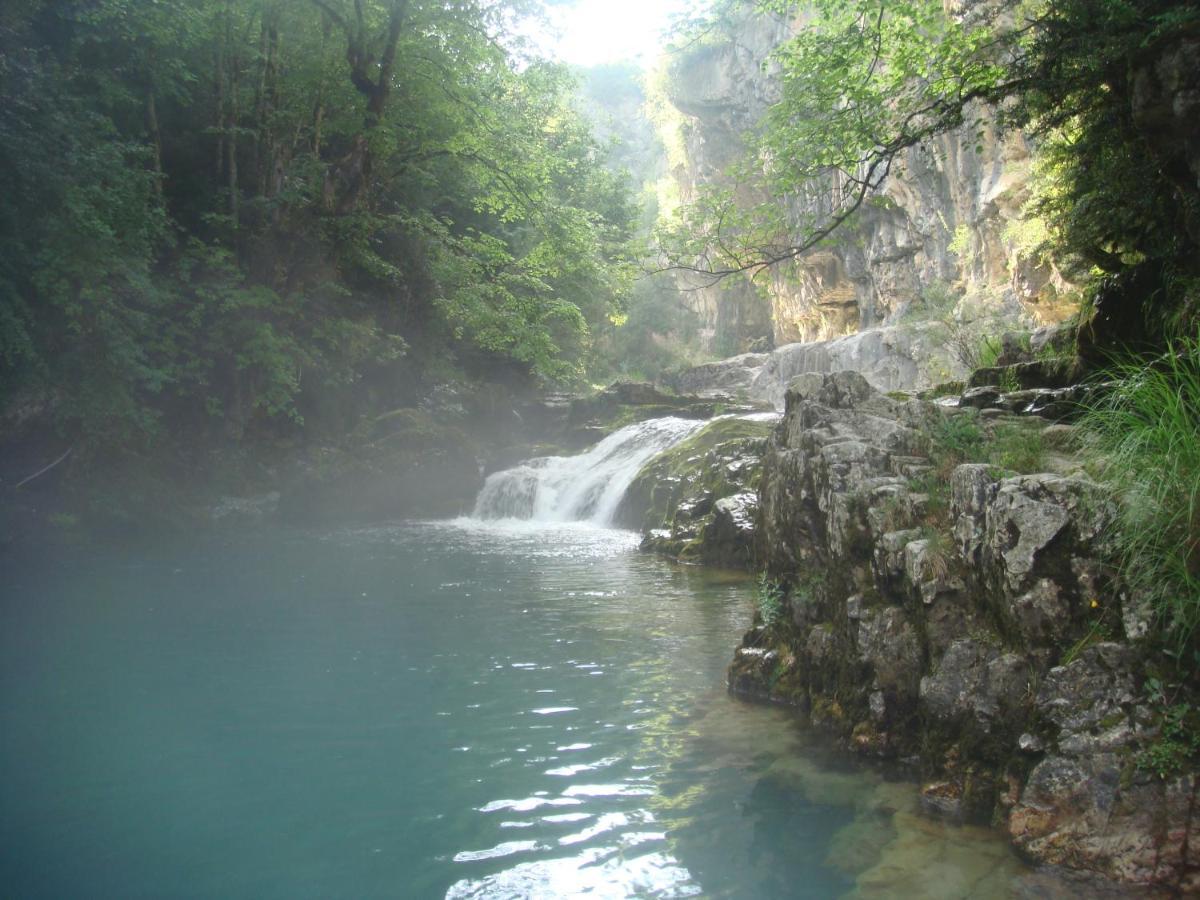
234, 220
863, 81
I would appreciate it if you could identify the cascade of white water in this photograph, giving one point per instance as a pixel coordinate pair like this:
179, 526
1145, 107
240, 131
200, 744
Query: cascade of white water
587, 487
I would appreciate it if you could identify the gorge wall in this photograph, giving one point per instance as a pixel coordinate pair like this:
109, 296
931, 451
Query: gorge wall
964, 617
944, 231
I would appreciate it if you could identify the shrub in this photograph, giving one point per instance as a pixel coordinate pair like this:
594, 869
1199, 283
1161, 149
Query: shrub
1146, 433
973, 351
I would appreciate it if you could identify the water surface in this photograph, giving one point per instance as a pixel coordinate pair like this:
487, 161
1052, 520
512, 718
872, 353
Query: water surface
424, 710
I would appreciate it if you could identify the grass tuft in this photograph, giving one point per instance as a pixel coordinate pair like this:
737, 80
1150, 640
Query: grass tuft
771, 606
1146, 433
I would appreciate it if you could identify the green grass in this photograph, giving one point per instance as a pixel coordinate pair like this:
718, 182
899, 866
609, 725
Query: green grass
1177, 745
1018, 448
770, 600
963, 438
1147, 435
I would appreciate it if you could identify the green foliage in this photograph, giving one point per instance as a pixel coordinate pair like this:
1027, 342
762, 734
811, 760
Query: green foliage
1106, 192
1009, 381
1146, 432
772, 603
1098, 631
861, 82
1017, 448
963, 438
219, 215
939, 550
654, 336
960, 244
957, 438
972, 350
1177, 745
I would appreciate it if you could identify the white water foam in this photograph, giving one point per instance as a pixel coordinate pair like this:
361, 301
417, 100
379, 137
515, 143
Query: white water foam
587, 487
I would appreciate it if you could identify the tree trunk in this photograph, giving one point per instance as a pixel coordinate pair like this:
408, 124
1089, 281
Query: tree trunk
219, 168
155, 138
346, 179
233, 141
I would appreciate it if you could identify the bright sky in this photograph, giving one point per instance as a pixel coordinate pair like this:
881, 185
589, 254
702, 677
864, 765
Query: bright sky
590, 32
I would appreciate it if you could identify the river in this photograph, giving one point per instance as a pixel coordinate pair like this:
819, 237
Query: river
438, 709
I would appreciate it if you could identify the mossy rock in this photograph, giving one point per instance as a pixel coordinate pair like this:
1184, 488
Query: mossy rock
720, 459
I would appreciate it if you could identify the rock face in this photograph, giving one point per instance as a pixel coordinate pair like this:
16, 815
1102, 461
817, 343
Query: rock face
895, 358
941, 219
695, 501
899, 358
965, 620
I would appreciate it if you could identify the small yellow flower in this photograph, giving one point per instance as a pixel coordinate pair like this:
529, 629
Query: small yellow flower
1095, 603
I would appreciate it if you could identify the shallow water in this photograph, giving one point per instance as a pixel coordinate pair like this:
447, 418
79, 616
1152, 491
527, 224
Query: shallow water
424, 710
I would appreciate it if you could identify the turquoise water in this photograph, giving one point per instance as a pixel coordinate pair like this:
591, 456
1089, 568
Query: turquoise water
423, 710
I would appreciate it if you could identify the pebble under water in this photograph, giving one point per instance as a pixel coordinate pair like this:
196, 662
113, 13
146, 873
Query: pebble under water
461, 710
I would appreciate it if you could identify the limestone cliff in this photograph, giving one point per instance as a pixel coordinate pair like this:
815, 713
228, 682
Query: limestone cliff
946, 221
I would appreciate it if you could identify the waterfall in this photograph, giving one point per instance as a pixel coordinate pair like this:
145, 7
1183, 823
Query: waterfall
586, 487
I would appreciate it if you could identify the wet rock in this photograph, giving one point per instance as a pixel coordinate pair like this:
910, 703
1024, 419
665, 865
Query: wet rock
981, 397
890, 553
927, 566
728, 539
1091, 691
1079, 813
1051, 373
751, 673
972, 487
676, 499
889, 644
1042, 613
1030, 743
1026, 515
942, 800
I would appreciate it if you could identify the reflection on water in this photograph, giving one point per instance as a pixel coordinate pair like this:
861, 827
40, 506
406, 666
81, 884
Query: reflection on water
422, 710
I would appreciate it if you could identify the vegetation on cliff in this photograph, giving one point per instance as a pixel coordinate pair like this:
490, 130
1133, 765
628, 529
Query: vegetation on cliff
1146, 435
863, 82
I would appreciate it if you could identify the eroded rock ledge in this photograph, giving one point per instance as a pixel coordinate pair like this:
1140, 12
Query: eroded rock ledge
983, 640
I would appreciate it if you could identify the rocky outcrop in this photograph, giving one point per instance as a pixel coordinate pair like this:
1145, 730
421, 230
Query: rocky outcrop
897, 358
964, 618
733, 376
943, 219
695, 501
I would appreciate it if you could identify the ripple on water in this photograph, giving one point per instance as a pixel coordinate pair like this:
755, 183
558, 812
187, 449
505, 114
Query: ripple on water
599, 872
545, 781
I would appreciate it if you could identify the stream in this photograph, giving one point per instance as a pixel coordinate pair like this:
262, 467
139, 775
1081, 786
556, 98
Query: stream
491, 707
